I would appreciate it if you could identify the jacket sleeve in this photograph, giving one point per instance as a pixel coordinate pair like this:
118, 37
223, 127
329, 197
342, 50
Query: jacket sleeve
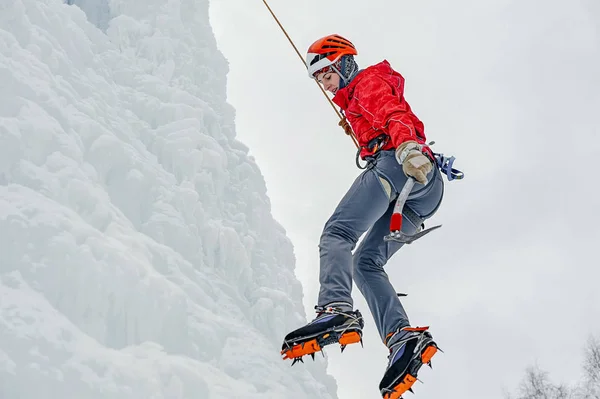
382, 106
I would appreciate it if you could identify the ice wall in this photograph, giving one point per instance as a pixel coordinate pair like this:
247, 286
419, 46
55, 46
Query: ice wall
138, 254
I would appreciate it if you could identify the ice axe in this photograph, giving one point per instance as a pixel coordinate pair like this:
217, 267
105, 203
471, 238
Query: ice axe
396, 221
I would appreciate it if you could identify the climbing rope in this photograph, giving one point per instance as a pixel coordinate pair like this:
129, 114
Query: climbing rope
343, 122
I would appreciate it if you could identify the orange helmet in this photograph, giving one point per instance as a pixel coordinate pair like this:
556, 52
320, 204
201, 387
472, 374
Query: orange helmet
326, 51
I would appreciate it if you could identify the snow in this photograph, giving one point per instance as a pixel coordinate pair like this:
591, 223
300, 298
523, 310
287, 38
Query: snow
139, 256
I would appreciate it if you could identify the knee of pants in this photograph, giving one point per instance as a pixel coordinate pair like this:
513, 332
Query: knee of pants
367, 261
336, 232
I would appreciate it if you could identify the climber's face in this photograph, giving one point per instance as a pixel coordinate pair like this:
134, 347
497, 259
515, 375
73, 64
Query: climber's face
330, 81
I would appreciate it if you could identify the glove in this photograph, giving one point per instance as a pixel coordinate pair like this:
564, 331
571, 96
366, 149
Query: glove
414, 163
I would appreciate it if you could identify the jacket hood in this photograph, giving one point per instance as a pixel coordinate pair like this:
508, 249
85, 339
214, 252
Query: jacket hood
343, 95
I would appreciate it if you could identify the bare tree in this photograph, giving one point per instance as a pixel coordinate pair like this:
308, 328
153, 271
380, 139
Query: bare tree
537, 385
591, 367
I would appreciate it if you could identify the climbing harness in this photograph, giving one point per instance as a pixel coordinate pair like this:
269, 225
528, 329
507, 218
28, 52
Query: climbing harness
374, 146
445, 165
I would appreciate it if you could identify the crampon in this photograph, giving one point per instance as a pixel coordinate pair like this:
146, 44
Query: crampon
330, 327
424, 349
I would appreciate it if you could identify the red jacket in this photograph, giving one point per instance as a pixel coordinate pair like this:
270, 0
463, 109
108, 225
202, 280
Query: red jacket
374, 103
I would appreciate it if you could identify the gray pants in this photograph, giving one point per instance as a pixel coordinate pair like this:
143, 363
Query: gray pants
368, 205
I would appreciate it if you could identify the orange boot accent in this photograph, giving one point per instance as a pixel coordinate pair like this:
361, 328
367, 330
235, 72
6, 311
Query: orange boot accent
401, 388
428, 354
416, 328
349, 338
301, 349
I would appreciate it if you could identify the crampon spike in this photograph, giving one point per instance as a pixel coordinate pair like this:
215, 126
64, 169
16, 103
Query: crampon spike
399, 389
313, 356
299, 350
298, 359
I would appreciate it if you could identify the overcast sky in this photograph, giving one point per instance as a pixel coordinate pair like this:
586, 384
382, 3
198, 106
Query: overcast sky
509, 87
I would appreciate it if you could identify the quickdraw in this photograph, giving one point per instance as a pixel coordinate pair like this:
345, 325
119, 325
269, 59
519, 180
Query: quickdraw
445, 165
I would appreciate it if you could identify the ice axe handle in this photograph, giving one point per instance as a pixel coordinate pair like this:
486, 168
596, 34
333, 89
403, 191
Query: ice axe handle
396, 219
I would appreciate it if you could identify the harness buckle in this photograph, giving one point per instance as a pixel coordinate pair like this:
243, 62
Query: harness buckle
378, 143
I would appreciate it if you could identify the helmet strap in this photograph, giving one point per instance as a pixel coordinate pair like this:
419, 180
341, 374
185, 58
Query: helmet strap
345, 81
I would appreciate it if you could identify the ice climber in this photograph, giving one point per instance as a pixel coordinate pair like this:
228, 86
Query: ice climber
393, 144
